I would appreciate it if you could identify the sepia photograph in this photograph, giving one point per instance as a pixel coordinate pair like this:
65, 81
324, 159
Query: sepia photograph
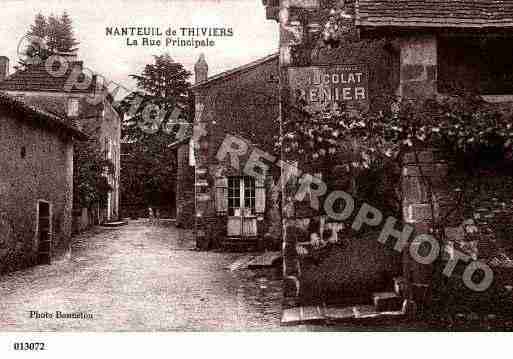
255, 166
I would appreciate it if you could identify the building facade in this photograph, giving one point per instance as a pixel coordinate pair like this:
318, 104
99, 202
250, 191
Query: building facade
185, 203
231, 208
36, 184
402, 50
69, 91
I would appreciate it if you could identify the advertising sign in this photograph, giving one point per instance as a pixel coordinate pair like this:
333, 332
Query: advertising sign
318, 88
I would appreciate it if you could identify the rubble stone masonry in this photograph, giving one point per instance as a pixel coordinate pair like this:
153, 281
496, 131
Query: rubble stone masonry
36, 164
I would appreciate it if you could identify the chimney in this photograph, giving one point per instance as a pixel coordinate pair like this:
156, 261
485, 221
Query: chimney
4, 68
201, 70
94, 84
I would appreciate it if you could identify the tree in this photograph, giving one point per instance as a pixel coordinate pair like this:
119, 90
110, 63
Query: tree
150, 167
59, 36
66, 38
54, 30
163, 88
48, 36
165, 79
91, 169
40, 26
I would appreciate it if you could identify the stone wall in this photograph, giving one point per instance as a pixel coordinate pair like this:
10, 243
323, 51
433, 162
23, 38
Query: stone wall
408, 64
361, 266
425, 201
419, 61
96, 117
36, 164
244, 104
184, 188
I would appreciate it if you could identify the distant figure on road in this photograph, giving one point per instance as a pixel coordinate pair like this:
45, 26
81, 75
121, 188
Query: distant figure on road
157, 216
151, 217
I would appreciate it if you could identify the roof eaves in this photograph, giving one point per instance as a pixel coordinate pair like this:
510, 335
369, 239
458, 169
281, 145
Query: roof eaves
35, 111
235, 71
420, 23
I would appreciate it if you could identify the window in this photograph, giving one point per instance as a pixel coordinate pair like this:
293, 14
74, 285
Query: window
249, 193
233, 195
241, 196
73, 107
478, 65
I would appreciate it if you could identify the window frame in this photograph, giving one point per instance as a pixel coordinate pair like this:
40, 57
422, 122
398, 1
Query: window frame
241, 195
73, 109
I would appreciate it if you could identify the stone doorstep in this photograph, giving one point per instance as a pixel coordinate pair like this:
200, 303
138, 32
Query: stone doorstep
266, 259
322, 314
387, 301
232, 244
365, 311
302, 315
241, 263
255, 261
370, 312
114, 224
335, 313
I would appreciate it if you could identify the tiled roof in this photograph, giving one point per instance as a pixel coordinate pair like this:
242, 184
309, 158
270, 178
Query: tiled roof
38, 78
30, 112
237, 70
57, 105
471, 14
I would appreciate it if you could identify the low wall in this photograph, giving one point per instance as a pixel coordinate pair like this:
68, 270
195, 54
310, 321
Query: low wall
350, 272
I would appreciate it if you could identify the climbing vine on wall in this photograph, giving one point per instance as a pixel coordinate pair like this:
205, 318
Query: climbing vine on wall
459, 124
476, 137
90, 174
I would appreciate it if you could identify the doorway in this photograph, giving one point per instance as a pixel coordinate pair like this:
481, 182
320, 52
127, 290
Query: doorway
242, 219
44, 232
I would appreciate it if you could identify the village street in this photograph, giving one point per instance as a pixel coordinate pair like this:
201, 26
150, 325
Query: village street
141, 278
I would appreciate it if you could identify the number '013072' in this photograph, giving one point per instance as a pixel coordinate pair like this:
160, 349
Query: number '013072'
29, 346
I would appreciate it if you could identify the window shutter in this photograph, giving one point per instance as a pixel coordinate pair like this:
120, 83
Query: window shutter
260, 195
221, 195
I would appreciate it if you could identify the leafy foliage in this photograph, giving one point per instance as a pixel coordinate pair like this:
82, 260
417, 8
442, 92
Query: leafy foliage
91, 170
150, 165
49, 36
362, 145
461, 124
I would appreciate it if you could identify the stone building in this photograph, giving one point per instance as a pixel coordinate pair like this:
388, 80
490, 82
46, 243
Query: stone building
67, 89
349, 274
230, 207
36, 184
447, 49
403, 49
185, 204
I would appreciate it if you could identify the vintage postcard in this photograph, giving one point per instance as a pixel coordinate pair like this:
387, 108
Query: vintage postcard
255, 166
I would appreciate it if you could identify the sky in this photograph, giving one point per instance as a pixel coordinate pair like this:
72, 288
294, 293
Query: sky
253, 35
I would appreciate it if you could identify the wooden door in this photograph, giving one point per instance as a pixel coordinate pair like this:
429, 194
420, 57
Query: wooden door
44, 233
242, 219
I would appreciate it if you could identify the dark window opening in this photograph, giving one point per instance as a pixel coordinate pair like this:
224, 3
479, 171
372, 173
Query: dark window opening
23, 152
477, 65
